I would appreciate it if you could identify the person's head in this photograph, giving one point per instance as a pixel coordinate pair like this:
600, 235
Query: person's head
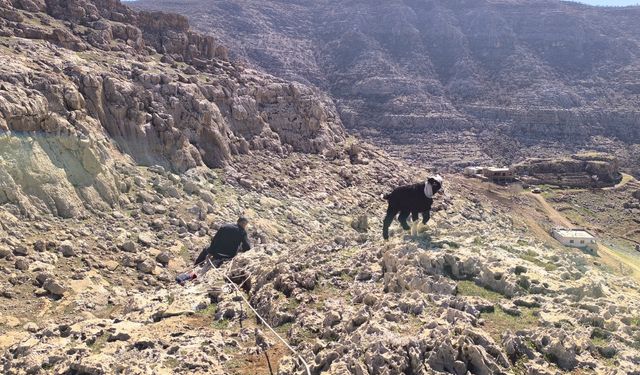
242, 222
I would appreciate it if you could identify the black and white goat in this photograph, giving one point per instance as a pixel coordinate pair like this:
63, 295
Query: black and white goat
411, 199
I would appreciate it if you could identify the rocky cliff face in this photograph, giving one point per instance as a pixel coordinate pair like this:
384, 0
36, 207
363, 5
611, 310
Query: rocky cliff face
88, 85
530, 72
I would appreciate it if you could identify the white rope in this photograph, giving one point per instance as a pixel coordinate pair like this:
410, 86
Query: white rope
306, 366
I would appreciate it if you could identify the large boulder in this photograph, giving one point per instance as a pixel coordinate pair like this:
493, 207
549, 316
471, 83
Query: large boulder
54, 287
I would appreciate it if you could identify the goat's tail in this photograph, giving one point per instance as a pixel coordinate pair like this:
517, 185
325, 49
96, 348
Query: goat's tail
385, 196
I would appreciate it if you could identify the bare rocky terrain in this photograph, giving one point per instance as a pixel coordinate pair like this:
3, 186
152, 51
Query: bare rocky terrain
126, 140
507, 79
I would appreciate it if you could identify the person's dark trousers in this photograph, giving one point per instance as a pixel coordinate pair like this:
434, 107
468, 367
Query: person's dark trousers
216, 260
202, 256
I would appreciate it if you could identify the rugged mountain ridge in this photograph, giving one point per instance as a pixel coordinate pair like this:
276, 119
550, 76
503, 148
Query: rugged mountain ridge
87, 85
559, 75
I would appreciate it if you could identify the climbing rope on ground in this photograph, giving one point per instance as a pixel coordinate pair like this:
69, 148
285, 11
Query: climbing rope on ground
224, 276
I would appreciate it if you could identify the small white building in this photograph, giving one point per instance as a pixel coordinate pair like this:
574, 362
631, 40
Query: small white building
574, 238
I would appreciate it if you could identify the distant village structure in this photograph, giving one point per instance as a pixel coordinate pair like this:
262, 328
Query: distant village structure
493, 174
576, 237
499, 174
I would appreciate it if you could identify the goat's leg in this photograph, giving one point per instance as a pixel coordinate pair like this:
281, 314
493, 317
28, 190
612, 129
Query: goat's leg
402, 218
414, 223
426, 215
388, 219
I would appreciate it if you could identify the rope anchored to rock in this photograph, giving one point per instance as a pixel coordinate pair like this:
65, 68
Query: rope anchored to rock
225, 277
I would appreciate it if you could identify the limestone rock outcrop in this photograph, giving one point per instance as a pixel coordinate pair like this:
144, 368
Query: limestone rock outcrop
87, 85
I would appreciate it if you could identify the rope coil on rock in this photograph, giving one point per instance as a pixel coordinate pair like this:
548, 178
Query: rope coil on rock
224, 276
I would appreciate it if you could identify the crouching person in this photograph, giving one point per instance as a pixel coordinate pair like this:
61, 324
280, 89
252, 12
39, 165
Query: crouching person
226, 243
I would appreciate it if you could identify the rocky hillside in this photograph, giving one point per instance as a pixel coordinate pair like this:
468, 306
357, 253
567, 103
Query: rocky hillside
479, 292
87, 86
510, 79
126, 140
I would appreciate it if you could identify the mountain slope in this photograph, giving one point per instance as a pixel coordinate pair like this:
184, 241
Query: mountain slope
127, 140
478, 291
86, 86
509, 78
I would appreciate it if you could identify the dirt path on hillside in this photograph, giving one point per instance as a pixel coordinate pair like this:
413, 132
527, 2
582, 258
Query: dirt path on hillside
556, 217
625, 180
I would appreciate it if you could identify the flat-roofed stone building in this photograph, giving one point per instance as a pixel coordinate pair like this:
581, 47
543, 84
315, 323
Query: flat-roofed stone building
574, 238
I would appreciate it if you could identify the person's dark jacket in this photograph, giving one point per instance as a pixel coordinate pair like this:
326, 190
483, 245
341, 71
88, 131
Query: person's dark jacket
226, 243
